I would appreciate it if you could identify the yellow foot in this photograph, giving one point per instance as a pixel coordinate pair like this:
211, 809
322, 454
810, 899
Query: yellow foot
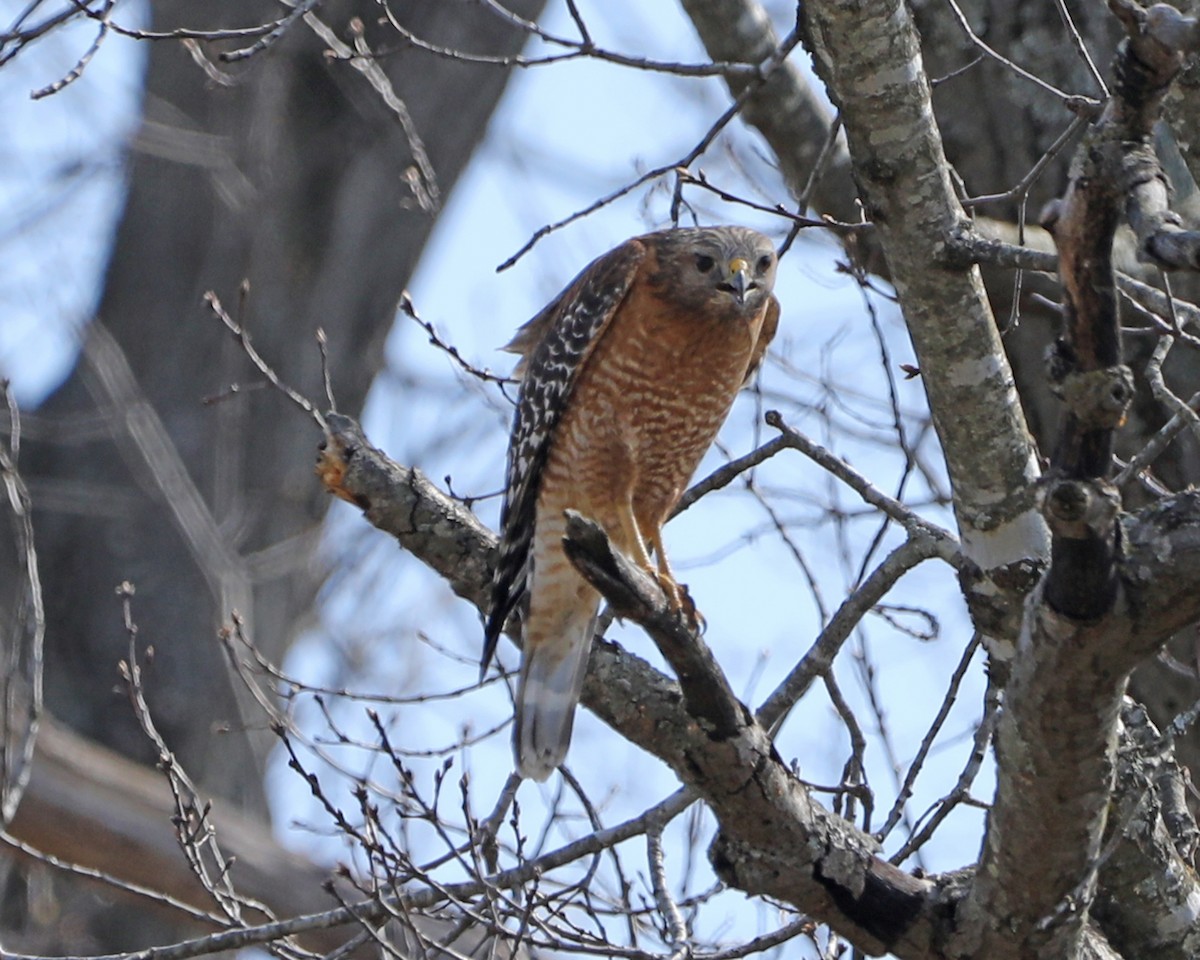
680, 600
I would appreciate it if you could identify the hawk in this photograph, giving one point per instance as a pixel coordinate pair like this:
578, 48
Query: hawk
627, 376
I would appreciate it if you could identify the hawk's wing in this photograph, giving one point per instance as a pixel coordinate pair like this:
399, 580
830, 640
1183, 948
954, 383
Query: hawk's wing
532, 332
569, 329
765, 336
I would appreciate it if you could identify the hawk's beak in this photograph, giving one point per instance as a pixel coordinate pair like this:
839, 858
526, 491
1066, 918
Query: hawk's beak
739, 278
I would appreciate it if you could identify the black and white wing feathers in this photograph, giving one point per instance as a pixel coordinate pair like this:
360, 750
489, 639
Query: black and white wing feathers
573, 323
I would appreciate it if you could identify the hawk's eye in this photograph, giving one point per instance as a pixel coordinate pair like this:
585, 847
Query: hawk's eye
704, 263
764, 263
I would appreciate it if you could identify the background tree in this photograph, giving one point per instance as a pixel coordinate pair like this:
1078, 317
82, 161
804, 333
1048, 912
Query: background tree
315, 183
1089, 844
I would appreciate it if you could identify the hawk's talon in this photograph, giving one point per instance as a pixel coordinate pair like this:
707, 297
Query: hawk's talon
687, 607
679, 599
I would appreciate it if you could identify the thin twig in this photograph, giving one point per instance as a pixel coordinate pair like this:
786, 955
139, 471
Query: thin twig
960, 793
243, 339
576, 50
914, 768
865, 489
1021, 189
1000, 58
677, 931
781, 54
1081, 47
275, 31
409, 309
81, 64
820, 656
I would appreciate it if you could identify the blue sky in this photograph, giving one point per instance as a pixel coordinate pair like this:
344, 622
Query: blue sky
562, 137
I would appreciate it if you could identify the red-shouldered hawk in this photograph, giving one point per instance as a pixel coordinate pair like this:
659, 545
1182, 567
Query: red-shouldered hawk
628, 375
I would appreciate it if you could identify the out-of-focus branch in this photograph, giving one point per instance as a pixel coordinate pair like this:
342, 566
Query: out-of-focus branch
785, 110
89, 806
22, 626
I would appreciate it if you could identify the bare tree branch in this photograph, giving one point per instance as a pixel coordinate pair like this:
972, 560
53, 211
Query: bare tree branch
761, 850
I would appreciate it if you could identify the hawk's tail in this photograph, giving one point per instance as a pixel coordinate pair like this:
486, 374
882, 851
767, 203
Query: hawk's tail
551, 679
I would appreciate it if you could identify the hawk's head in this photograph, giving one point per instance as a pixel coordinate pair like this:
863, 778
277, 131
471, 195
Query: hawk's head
731, 269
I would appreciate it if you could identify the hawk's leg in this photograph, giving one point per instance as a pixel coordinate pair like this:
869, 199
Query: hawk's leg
677, 593
626, 533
